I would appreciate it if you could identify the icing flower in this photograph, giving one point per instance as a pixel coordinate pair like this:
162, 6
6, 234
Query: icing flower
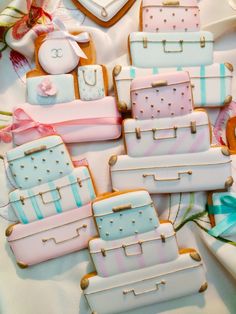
46, 88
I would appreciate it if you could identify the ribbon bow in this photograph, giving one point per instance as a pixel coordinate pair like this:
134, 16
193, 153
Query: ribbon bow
25, 123
5, 135
228, 206
73, 39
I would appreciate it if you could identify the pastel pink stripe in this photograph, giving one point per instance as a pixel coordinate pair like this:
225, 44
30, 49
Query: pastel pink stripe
119, 256
178, 142
101, 265
198, 142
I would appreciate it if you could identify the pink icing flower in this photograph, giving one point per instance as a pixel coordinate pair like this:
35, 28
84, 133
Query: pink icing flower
46, 88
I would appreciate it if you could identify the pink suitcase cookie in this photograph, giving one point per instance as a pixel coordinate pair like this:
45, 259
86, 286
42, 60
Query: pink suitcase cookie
170, 16
161, 95
51, 237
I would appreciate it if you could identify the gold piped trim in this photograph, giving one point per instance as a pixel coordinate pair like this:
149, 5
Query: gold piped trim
228, 100
195, 256
203, 287
84, 283
9, 230
225, 151
229, 66
117, 69
229, 182
122, 106
113, 160
22, 265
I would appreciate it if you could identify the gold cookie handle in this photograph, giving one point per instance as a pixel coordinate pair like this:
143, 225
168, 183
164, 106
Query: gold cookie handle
179, 50
155, 137
178, 178
136, 294
124, 246
45, 240
122, 208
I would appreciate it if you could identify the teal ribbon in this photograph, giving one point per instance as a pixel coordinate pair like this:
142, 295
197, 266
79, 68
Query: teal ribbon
228, 206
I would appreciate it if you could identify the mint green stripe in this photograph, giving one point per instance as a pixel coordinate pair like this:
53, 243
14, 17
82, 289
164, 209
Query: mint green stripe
155, 70
222, 83
179, 68
132, 72
18, 207
203, 85
35, 205
90, 185
75, 191
54, 193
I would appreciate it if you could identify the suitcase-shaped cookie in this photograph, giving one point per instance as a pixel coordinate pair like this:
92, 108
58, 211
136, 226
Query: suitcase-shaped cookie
54, 197
149, 50
169, 16
204, 171
161, 95
93, 82
135, 252
50, 89
84, 121
39, 161
211, 84
51, 237
164, 282
190, 133
124, 214
222, 212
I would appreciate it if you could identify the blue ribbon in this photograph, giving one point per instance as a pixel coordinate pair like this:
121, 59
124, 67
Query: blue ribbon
228, 206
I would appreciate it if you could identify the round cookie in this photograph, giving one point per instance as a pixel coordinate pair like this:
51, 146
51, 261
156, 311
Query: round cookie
57, 56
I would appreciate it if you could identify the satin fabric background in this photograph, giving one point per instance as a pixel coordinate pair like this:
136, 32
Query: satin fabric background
54, 287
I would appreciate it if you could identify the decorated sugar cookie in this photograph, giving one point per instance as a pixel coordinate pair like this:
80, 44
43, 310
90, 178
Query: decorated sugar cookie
104, 12
57, 56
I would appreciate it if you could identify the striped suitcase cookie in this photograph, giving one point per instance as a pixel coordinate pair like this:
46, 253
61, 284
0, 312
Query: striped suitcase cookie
54, 197
51, 237
190, 133
211, 84
139, 251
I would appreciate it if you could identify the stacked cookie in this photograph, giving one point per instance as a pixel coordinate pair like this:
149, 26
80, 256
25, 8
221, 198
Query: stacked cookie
136, 258
66, 93
168, 144
172, 41
52, 201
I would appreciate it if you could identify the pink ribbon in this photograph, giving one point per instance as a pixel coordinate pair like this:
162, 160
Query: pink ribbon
26, 123
62, 33
5, 135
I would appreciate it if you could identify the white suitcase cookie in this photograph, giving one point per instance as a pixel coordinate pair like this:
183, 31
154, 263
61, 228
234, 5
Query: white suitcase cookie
181, 277
190, 133
204, 171
149, 50
135, 252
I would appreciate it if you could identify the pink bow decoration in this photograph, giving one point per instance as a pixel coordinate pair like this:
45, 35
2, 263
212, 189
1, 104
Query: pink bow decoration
5, 135
25, 123
46, 88
73, 39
